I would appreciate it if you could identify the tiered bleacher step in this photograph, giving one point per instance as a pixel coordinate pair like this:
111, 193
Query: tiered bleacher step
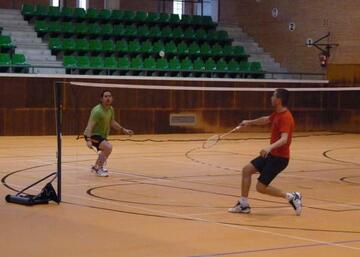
257, 54
28, 44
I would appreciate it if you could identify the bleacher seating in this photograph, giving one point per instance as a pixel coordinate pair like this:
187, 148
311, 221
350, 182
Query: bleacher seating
129, 42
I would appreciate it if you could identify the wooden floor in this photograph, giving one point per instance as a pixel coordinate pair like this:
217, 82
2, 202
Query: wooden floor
171, 199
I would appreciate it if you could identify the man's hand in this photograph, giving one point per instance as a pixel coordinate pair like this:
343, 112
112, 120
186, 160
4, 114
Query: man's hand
128, 132
89, 143
265, 152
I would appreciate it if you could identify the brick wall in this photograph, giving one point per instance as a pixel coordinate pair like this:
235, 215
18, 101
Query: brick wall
313, 20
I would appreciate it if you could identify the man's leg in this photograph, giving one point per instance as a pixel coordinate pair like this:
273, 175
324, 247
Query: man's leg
242, 206
105, 151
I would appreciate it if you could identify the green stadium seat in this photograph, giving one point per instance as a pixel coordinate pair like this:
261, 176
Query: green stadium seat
104, 15
207, 21
155, 32
5, 42
119, 30
199, 65
5, 60
117, 15
110, 63
95, 46
187, 65
194, 49
82, 45
96, 62
83, 62
55, 28
205, 49
158, 46
200, 35
174, 64
189, 34
70, 62
170, 48
68, 28
146, 47
94, 29
130, 31
67, 13
150, 63
196, 20
210, 65
134, 46
79, 14
54, 12
41, 11
166, 33
212, 35
124, 63
121, 46
221, 65
174, 19
69, 45
108, 46
244, 66
92, 14
41, 27
228, 51
255, 67
182, 49
106, 30
129, 16
162, 64
153, 17
238, 51
222, 35
136, 63
56, 44
140, 17
81, 29
233, 66
28, 10
143, 31
164, 18
178, 33
19, 59
186, 20
216, 50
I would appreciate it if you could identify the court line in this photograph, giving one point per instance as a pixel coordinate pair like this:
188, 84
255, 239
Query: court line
272, 249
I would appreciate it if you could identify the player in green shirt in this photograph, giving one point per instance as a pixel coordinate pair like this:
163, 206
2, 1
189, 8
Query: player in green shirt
98, 128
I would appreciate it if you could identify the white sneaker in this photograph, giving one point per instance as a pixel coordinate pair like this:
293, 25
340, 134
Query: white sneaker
296, 203
238, 208
101, 172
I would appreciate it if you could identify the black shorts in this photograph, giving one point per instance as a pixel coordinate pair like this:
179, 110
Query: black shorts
269, 167
96, 140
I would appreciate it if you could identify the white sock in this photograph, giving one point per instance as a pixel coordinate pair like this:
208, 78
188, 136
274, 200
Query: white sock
289, 196
244, 201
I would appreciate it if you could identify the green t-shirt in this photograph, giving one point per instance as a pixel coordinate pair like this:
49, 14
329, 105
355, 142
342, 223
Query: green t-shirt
102, 118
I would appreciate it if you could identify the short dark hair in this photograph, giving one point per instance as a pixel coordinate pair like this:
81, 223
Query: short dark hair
104, 91
284, 95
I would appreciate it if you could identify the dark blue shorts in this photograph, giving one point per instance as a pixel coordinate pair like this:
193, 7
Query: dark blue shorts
269, 167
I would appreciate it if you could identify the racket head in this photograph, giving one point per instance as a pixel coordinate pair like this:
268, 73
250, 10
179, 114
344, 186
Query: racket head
211, 141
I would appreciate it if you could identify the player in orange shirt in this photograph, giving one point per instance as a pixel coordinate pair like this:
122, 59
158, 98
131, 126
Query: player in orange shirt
274, 158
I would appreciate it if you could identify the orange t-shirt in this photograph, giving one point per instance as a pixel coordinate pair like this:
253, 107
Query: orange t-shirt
282, 122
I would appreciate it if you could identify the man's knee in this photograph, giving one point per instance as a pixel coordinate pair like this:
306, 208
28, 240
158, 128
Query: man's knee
106, 147
248, 170
260, 187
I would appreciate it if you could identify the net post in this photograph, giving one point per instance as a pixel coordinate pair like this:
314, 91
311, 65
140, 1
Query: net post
58, 114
